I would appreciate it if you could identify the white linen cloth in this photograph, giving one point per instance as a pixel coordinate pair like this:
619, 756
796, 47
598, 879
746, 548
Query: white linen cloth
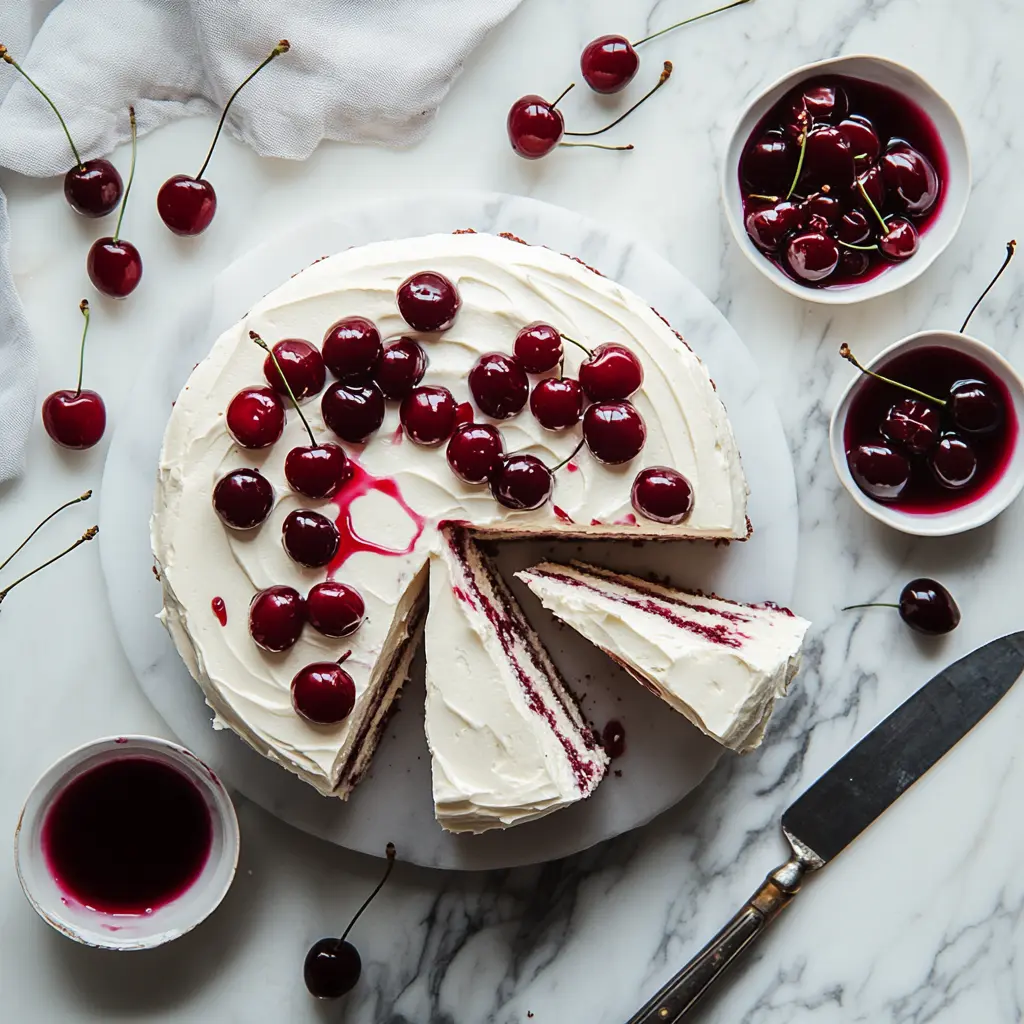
358, 71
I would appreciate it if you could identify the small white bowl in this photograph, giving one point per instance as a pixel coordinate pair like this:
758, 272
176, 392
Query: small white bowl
940, 230
983, 508
125, 932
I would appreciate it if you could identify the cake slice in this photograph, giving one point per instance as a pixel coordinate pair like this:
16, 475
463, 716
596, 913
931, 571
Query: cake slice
507, 740
721, 664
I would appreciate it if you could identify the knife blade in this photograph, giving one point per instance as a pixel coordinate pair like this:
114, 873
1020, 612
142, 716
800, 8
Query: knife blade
837, 808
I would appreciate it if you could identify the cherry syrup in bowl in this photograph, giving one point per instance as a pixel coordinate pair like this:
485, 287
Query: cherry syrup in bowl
127, 843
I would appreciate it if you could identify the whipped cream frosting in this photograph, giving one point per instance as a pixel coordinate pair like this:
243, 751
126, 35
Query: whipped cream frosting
503, 285
721, 664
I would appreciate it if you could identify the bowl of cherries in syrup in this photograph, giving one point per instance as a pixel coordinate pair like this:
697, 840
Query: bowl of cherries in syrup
845, 179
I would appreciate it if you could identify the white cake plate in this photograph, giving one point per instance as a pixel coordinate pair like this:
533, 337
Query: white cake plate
665, 756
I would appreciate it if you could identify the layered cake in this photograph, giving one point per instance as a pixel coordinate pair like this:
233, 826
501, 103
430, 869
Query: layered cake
445, 388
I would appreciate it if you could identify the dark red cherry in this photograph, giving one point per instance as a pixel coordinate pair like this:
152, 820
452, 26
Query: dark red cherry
927, 606
822, 205
879, 470
474, 452
538, 347
863, 140
354, 413
115, 267
769, 163
662, 494
428, 301
770, 226
901, 241
243, 498
910, 176
614, 431
975, 406
609, 63
402, 366
463, 414
828, 160
428, 414
335, 609
812, 255
302, 364
75, 419
610, 373
317, 471
186, 205
93, 189
323, 693
557, 402
498, 385
311, 539
534, 126
521, 482
853, 263
954, 462
332, 968
822, 102
256, 417
276, 617
913, 424
854, 228
352, 350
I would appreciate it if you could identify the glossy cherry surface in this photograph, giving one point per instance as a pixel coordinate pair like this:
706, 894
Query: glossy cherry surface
352, 350
332, 968
975, 406
854, 228
243, 498
769, 226
474, 452
402, 365
498, 385
317, 471
557, 402
614, 431
880, 470
334, 608
611, 372
954, 462
927, 606
428, 301
186, 205
521, 482
812, 255
609, 63
310, 538
75, 419
94, 189
862, 138
303, 368
256, 417
910, 177
115, 267
534, 127
828, 160
901, 240
428, 415
662, 494
538, 348
354, 413
276, 618
913, 424
323, 693
769, 163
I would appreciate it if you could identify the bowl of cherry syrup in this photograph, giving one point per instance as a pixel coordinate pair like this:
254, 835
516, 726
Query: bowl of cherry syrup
845, 179
127, 843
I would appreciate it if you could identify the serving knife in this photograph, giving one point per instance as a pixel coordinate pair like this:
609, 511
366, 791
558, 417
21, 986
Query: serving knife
848, 798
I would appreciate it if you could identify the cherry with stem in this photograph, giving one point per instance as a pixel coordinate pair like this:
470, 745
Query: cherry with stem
1011, 248
666, 73
844, 351
871, 206
60, 508
87, 536
804, 118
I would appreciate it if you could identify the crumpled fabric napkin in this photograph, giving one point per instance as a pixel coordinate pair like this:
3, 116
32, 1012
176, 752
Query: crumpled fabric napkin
358, 71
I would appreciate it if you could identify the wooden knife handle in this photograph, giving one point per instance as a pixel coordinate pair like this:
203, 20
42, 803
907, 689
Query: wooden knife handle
683, 991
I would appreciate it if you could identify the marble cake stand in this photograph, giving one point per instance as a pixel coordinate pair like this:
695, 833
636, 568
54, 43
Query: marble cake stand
665, 756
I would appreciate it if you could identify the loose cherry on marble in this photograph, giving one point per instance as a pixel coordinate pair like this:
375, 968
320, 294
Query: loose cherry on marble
880, 471
474, 452
910, 176
402, 365
538, 347
256, 417
557, 402
324, 693
953, 462
243, 499
913, 424
187, 205
521, 482
332, 966
352, 350
114, 265
428, 415
310, 539
900, 241
812, 255
662, 494
610, 372
276, 617
354, 413
76, 419
301, 364
498, 385
614, 431
335, 609
428, 301
925, 605
92, 187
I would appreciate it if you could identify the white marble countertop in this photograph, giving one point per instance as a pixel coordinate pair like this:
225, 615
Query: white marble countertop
920, 921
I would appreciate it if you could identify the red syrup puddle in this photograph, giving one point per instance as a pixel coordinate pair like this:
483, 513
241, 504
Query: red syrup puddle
627, 520
613, 739
572, 467
219, 609
562, 514
464, 414
596, 522
398, 435
463, 596
361, 483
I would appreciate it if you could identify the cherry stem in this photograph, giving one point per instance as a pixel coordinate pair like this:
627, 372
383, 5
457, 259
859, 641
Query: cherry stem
871, 206
369, 899
665, 75
87, 536
844, 351
575, 342
562, 94
345, 657
859, 248
687, 21
131, 173
870, 604
571, 455
56, 511
803, 149
1011, 248
84, 307
53, 106
597, 145
291, 394
767, 199
283, 46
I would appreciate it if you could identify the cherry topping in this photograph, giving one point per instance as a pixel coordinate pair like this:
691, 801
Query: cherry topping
954, 462
769, 163
610, 372
975, 406
323, 693
186, 205
609, 63
662, 494
614, 431
770, 226
353, 413
910, 175
93, 188
812, 255
474, 452
352, 350
879, 470
317, 470
335, 609
463, 414
912, 423
521, 482
256, 417
402, 366
928, 607
535, 126
557, 402
243, 499
428, 414
311, 539
499, 385
302, 365
538, 347
428, 301
901, 240
276, 617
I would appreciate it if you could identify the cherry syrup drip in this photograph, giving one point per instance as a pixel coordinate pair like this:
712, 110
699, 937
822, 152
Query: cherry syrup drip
128, 836
562, 514
219, 609
613, 739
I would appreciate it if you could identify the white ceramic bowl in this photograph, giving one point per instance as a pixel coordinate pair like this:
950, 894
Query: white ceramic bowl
123, 932
987, 505
941, 229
